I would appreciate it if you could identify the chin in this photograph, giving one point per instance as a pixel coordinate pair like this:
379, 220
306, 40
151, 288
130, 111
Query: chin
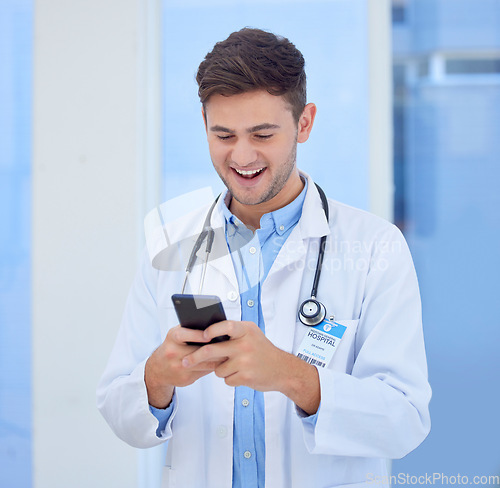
246, 199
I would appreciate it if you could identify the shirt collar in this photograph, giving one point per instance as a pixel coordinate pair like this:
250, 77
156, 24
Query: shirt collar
279, 221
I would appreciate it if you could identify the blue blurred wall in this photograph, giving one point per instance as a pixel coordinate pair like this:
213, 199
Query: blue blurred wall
450, 172
332, 38
15, 200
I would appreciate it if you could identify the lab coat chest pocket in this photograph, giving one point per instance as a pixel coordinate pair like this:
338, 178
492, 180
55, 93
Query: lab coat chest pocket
343, 359
345, 353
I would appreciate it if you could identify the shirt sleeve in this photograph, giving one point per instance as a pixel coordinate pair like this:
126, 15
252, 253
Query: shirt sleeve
308, 420
163, 416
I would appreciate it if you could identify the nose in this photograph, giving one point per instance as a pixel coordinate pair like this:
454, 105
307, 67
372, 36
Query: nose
243, 153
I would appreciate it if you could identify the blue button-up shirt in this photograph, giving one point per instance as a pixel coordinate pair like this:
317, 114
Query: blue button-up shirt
253, 254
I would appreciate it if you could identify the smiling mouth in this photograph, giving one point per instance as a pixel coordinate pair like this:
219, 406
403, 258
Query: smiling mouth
249, 174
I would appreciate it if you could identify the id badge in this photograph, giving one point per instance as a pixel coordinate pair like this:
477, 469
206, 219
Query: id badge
321, 342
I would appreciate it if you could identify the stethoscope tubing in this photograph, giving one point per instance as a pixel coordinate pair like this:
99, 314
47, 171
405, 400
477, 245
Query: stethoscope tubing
208, 233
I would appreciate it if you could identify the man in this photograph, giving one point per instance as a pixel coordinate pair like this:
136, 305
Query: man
248, 412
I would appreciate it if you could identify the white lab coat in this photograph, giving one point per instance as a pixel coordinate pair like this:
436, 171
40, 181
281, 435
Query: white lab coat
374, 394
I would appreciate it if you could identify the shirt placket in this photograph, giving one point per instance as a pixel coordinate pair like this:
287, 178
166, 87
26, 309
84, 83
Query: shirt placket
250, 256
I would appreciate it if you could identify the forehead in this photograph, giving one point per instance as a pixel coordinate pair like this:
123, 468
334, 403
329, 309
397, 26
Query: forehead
247, 109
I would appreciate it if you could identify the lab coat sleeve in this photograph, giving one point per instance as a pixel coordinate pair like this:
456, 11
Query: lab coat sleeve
380, 409
121, 394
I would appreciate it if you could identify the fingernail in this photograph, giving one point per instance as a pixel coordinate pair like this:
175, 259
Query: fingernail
185, 362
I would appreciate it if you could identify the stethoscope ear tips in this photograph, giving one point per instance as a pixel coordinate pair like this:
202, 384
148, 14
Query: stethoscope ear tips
312, 312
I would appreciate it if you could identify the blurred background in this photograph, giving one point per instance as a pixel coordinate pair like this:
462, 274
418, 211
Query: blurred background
100, 121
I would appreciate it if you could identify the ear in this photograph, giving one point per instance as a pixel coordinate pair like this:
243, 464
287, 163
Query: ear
306, 122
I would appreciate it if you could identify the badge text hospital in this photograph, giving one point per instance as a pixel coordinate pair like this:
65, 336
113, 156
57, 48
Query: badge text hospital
320, 343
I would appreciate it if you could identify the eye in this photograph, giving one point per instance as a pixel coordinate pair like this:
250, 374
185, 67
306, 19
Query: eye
263, 137
224, 138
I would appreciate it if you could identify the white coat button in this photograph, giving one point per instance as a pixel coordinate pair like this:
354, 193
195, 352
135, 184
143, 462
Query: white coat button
250, 303
252, 250
232, 295
247, 454
245, 402
222, 431
282, 227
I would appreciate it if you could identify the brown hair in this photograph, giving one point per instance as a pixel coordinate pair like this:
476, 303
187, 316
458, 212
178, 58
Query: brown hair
253, 59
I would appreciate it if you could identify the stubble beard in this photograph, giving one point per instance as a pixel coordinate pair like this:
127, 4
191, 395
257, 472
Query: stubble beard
276, 185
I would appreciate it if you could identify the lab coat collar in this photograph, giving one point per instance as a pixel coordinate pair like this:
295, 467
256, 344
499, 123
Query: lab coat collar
313, 221
312, 224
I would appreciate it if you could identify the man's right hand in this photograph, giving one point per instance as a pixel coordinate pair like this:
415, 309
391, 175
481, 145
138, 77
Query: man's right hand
164, 369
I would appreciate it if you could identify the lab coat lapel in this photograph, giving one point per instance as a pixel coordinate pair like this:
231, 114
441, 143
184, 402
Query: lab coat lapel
281, 290
281, 295
220, 262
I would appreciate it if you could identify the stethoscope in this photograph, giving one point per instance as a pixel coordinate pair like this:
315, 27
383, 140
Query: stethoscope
311, 312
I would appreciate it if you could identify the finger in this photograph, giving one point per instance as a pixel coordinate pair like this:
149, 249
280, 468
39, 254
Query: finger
225, 369
181, 335
209, 365
231, 376
233, 380
214, 353
234, 329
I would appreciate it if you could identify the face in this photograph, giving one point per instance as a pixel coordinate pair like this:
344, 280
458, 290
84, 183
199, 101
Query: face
252, 139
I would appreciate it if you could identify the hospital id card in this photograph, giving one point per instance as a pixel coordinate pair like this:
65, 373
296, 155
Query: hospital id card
320, 343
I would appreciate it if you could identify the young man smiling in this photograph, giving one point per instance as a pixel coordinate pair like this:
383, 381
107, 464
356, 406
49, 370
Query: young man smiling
248, 412
252, 139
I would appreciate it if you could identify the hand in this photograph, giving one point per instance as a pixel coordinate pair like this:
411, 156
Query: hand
164, 369
249, 358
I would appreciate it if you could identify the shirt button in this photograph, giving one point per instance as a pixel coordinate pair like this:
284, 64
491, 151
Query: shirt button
252, 250
232, 295
222, 431
250, 303
245, 402
247, 454
282, 227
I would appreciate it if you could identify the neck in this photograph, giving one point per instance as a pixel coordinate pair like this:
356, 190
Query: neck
250, 215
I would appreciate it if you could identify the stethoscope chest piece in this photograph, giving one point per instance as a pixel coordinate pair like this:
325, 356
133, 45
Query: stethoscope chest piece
312, 312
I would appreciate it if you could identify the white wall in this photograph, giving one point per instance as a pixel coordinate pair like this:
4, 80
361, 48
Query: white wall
94, 156
380, 136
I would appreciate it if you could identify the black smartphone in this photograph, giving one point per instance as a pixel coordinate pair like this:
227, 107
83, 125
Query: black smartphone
198, 312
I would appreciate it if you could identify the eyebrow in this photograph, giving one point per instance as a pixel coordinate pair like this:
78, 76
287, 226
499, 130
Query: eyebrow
255, 128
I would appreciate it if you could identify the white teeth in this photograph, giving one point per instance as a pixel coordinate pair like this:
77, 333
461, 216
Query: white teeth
248, 173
